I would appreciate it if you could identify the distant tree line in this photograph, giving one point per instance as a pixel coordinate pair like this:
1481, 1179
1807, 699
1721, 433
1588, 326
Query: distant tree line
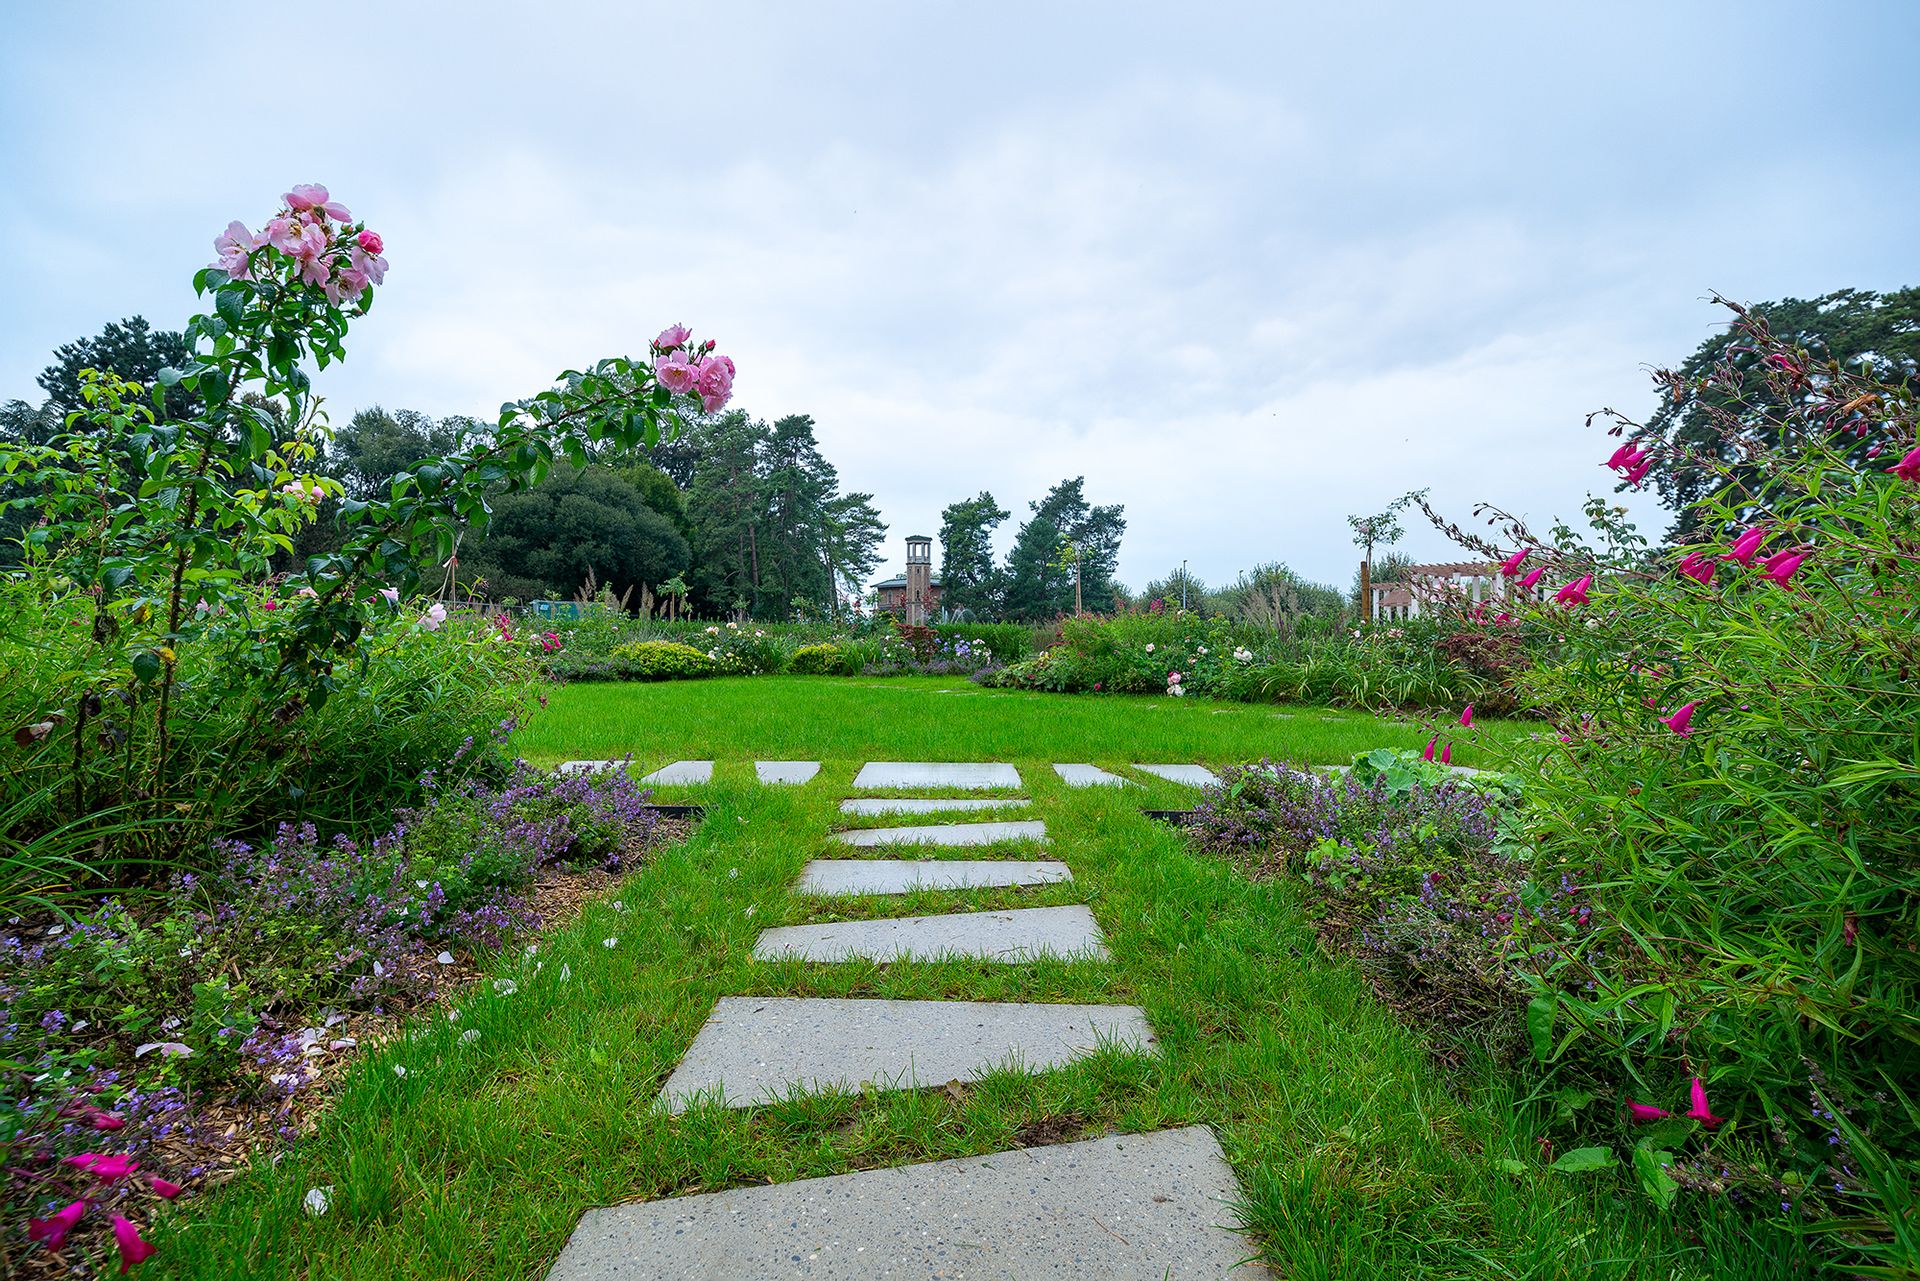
735, 517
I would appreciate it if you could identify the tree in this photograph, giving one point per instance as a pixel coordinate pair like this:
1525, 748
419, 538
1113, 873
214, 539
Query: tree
130, 348
1274, 596
1389, 567
724, 503
969, 579
1382, 530
796, 486
1037, 586
1855, 328
659, 490
1182, 589
543, 541
375, 446
851, 547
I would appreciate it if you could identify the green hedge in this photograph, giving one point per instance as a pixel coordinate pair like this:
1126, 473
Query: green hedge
661, 661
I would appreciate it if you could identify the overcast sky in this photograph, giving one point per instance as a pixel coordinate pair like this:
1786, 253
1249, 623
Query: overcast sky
1248, 269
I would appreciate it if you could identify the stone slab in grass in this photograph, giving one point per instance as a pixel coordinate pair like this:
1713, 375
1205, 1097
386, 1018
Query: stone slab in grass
946, 834
793, 772
1088, 776
682, 772
1191, 775
1129, 1206
760, 1049
837, 876
1018, 934
878, 774
588, 767
870, 806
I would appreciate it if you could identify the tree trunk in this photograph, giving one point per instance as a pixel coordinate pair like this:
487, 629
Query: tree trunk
1366, 590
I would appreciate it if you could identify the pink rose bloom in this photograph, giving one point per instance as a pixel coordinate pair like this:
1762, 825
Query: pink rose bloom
311, 197
715, 377
283, 234
672, 336
371, 242
372, 264
436, 615
676, 373
315, 270
235, 246
392, 595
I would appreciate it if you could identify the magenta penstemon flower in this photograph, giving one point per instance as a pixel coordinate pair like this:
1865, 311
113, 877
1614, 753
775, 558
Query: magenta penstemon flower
1646, 1111
1746, 545
1696, 566
52, 1230
1622, 457
1781, 567
1446, 754
1466, 717
1681, 722
1512, 564
133, 1248
1533, 577
1428, 754
1575, 592
1908, 468
1700, 1111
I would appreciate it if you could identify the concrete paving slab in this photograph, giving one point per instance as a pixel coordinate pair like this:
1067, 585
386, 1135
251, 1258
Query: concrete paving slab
760, 1049
1018, 934
1128, 1207
1088, 776
786, 771
901, 876
871, 806
877, 774
946, 834
1191, 775
588, 767
682, 772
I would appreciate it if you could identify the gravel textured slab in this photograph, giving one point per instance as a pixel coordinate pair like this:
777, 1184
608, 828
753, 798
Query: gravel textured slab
682, 772
902, 876
870, 806
786, 771
588, 767
1019, 934
1124, 1208
1088, 776
1191, 775
760, 1049
877, 774
946, 834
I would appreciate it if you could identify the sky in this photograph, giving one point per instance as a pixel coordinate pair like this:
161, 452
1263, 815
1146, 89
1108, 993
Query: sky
1249, 269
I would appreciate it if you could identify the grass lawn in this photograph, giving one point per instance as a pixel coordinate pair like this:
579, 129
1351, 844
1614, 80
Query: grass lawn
1358, 1156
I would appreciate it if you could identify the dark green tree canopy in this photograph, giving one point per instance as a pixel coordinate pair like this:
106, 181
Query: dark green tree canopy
1850, 326
544, 540
969, 579
131, 348
1037, 587
375, 446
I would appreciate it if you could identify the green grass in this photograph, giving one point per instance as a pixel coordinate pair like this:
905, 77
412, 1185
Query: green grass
1358, 1156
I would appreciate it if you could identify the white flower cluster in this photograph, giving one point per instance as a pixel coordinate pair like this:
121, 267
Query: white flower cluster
1242, 654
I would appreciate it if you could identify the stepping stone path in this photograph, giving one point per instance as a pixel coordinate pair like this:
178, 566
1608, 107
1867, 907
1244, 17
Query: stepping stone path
872, 806
945, 834
1017, 934
758, 1049
879, 774
1088, 776
1130, 1205
836, 876
1191, 775
682, 772
786, 771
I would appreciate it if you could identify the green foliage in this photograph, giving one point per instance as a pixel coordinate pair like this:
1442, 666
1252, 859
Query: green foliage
1039, 583
662, 661
1008, 642
825, 659
130, 349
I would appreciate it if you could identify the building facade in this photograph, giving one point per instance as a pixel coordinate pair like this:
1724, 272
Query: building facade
915, 596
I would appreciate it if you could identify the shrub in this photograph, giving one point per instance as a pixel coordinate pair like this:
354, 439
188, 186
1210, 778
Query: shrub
1733, 759
662, 661
818, 660
1007, 642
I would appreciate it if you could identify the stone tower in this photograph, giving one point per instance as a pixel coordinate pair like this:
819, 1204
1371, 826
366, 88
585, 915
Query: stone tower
919, 579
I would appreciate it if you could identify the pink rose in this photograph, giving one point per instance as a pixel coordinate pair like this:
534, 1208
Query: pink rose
676, 373
284, 234
372, 264
715, 377
311, 197
371, 242
235, 246
672, 336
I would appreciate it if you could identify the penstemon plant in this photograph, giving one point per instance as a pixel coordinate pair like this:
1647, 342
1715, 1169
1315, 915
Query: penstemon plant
156, 535
1732, 769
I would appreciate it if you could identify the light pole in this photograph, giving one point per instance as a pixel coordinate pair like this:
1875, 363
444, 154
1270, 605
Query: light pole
1183, 586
